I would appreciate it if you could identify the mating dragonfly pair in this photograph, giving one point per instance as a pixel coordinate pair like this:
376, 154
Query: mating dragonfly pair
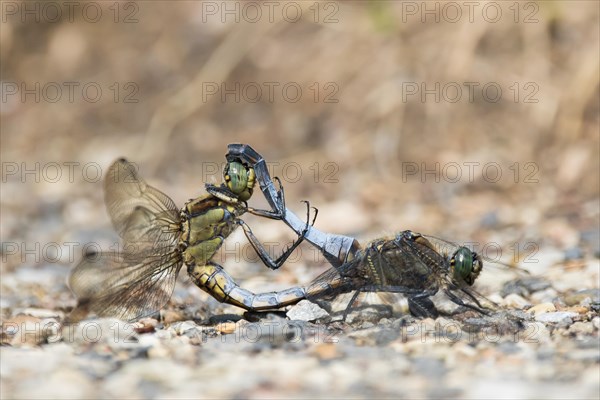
159, 238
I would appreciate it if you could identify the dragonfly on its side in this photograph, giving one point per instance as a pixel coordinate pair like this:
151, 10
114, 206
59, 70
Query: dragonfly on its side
159, 238
412, 264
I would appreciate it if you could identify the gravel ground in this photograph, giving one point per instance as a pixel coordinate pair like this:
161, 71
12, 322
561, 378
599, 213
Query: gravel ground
544, 344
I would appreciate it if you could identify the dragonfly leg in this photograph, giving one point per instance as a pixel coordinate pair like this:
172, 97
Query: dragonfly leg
350, 304
279, 210
419, 303
214, 280
459, 301
421, 306
264, 254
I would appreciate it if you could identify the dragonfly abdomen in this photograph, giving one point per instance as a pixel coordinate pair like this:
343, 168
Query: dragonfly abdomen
213, 279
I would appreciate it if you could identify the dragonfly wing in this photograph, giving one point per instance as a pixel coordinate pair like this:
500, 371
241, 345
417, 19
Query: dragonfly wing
131, 201
410, 264
123, 285
148, 231
439, 245
325, 286
336, 281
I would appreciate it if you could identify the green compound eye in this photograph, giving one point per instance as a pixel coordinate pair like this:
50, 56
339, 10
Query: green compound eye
236, 176
463, 264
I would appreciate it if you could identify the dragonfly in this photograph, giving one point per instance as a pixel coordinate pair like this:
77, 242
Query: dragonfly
410, 263
159, 238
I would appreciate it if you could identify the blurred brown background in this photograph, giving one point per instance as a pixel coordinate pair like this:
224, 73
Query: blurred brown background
388, 91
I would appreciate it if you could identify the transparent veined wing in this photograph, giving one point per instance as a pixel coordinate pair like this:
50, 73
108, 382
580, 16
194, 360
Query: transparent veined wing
443, 247
140, 278
124, 285
139, 212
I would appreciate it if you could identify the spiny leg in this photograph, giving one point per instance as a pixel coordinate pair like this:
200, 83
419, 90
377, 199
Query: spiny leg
419, 303
374, 288
214, 280
459, 301
264, 254
421, 306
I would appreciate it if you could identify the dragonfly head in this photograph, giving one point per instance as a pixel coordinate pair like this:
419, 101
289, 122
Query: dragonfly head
239, 179
465, 265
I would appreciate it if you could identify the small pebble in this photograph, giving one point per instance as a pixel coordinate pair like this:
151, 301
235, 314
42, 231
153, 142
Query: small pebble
582, 295
544, 296
582, 328
525, 286
145, 325
165, 334
306, 311
542, 308
182, 327
43, 313
577, 309
168, 316
515, 301
326, 351
226, 327
556, 317
574, 253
